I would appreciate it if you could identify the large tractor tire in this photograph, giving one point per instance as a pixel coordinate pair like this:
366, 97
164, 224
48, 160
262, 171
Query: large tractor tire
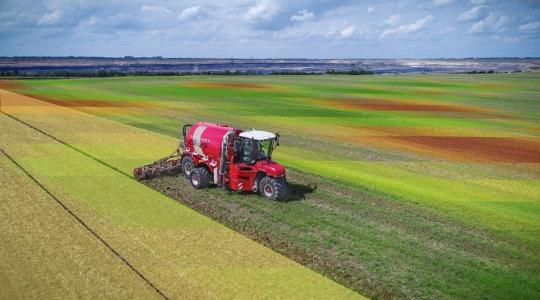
275, 189
199, 178
187, 165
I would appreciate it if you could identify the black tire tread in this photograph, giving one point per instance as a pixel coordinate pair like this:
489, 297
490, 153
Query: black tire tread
279, 186
204, 175
185, 160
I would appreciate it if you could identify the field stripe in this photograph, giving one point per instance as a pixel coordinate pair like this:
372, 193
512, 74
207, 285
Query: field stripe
69, 211
70, 146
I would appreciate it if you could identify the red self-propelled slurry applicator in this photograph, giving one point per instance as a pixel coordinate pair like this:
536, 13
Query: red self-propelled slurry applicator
216, 154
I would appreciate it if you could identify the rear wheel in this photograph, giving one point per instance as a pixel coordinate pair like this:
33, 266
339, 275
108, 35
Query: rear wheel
199, 178
187, 165
274, 188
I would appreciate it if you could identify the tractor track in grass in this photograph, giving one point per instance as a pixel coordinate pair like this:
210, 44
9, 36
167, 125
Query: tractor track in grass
73, 214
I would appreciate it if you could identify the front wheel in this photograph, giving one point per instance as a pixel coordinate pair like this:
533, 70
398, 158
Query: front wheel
199, 178
275, 189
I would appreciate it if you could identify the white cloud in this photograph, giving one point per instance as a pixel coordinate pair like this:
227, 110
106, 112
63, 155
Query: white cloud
89, 22
50, 18
303, 15
347, 31
409, 28
370, 9
393, 20
507, 39
327, 27
446, 30
155, 9
473, 14
442, 2
530, 27
264, 10
491, 23
189, 12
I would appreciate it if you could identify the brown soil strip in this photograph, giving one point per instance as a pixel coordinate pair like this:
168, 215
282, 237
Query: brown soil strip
74, 103
493, 85
88, 103
9, 84
480, 149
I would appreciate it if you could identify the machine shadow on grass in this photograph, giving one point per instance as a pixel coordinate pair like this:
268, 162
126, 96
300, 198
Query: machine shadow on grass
298, 191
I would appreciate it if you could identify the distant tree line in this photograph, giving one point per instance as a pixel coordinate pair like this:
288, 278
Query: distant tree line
105, 73
112, 73
351, 72
491, 72
480, 72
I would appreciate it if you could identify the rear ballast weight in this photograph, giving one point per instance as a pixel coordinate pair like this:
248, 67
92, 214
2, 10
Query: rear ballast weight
216, 154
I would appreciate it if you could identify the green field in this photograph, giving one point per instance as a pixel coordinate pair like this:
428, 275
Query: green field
403, 186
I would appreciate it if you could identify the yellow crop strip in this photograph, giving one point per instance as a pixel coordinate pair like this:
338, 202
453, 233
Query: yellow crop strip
183, 253
43, 259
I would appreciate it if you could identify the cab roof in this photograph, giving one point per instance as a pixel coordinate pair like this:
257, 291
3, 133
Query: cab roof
258, 135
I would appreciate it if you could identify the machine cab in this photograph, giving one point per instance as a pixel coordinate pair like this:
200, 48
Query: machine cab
252, 159
253, 146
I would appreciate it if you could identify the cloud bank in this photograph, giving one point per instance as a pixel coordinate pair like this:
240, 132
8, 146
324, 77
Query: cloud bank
271, 28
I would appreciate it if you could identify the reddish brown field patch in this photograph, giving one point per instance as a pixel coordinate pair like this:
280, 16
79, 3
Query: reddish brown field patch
87, 103
483, 149
493, 85
393, 105
81, 103
9, 84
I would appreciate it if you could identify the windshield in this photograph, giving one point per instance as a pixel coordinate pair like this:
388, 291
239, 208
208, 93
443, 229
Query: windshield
264, 147
250, 151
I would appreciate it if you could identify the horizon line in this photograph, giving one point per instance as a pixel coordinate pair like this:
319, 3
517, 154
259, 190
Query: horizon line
267, 58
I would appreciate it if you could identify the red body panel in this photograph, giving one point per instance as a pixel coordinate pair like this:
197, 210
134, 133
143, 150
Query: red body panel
242, 175
271, 168
203, 143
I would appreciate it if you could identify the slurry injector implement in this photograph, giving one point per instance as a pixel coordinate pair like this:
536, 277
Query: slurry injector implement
227, 157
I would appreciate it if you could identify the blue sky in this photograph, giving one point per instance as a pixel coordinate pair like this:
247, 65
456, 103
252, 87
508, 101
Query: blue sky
271, 28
